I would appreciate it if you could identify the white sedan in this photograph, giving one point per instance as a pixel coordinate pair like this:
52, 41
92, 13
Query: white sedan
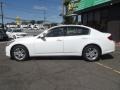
15, 33
63, 40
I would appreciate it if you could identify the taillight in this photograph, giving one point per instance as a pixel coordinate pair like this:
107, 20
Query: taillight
110, 37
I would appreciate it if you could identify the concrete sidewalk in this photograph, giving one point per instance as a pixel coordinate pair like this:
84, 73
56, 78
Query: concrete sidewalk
117, 49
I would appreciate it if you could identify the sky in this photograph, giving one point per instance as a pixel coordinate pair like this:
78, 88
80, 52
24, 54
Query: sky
33, 9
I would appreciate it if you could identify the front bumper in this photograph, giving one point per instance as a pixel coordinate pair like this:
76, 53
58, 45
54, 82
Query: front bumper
7, 50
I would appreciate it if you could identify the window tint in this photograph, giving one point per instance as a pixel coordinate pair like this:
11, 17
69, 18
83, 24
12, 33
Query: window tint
56, 32
71, 31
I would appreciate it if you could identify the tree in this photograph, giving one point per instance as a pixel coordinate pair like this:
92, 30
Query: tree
66, 2
32, 22
39, 22
24, 22
13, 23
68, 20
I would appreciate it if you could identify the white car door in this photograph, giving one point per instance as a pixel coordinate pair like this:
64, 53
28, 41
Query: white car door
75, 39
52, 43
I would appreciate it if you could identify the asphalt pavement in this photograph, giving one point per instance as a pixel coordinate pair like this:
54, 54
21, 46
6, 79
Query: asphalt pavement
60, 73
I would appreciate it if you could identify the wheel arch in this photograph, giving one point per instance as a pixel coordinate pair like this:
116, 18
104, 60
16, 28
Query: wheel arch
18, 45
93, 45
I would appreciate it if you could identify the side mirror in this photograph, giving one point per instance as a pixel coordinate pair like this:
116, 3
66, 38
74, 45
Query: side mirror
43, 35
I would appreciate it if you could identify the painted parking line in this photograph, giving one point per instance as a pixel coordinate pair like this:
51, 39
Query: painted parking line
117, 71
118, 52
107, 67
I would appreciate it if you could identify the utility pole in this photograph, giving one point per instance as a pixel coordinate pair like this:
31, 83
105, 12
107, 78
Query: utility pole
63, 10
1, 5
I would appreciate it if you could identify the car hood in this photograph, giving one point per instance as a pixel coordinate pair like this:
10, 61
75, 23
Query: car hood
25, 39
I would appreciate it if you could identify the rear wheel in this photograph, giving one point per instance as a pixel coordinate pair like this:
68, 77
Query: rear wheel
91, 53
19, 53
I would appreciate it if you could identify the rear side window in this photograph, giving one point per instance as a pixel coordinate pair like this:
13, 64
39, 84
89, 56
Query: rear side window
82, 31
72, 31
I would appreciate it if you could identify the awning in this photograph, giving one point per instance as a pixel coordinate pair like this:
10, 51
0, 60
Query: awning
86, 5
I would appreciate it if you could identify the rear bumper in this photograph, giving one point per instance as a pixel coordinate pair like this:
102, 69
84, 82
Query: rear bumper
109, 48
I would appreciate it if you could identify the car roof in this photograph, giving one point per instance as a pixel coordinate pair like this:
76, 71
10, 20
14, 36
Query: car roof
90, 28
71, 25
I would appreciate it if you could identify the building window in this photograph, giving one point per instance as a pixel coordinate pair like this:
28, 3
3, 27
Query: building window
84, 19
90, 19
97, 20
79, 19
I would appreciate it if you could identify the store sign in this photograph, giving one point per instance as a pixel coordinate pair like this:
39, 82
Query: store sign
83, 4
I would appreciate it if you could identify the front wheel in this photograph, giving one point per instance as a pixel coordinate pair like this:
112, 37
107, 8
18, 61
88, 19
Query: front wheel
19, 53
91, 53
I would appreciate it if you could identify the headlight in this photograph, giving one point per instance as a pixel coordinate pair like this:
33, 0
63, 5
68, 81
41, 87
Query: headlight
8, 43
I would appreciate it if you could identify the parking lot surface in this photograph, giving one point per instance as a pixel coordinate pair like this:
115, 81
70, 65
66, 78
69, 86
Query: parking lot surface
60, 73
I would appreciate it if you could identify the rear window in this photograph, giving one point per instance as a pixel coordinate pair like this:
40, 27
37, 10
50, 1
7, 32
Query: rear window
71, 31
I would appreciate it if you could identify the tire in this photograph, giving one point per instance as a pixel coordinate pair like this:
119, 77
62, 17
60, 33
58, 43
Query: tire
19, 53
91, 53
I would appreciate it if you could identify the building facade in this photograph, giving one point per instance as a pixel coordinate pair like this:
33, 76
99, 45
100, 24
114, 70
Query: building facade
103, 15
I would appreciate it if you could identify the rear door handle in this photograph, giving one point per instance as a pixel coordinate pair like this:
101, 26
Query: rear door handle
59, 40
84, 38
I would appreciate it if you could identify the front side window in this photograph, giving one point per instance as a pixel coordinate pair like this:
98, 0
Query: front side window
56, 32
72, 31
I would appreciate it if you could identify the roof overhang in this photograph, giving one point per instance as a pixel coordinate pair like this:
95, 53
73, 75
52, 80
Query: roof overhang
93, 7
74, 14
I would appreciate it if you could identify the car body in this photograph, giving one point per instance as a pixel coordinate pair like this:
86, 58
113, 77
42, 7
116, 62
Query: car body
15, 33
63, 40
3, 35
